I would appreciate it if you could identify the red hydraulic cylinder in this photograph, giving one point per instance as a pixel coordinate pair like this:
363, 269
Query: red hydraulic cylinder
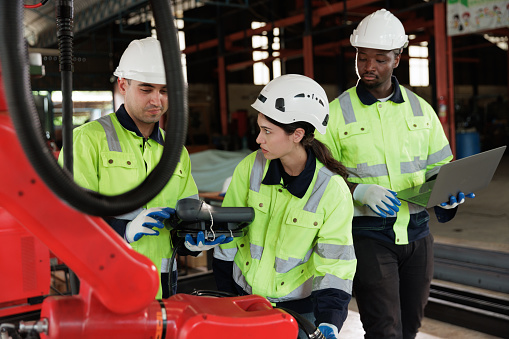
180, 317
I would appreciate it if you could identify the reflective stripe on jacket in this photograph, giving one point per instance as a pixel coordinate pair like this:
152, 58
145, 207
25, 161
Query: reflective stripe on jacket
294, 246
394, 145
111, 160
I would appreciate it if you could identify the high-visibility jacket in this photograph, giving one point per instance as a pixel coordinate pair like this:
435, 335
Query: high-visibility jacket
111, 160
294, 246
396, 145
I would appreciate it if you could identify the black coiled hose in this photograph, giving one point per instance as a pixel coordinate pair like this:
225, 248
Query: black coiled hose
65, 37
15, 71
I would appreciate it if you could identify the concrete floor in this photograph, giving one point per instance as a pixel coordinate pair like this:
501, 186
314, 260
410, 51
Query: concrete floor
431, 329
482, 222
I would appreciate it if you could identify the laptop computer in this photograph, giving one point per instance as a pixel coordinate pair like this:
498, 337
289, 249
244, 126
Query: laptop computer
465, 175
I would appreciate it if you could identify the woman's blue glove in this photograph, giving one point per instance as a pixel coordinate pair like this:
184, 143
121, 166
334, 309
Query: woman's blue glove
146, 221
454, 202
329, 331
381, 200
204, 245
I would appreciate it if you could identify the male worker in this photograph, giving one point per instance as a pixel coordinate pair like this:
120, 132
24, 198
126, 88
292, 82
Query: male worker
389, 139
117, 152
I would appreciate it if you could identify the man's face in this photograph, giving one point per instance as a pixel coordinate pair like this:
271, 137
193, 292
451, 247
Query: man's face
375, 66
144, 102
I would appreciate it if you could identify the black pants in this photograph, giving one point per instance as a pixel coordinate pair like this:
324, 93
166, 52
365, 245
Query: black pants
391, 286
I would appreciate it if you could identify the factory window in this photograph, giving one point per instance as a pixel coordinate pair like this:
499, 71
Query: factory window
419, 66
179, 24
182, 43
260, 44
87, 106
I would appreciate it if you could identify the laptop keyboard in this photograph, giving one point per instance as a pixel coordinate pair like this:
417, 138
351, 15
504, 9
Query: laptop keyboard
421, 199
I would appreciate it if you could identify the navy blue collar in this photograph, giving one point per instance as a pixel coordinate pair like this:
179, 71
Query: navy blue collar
368, 99
298, 185
127, 122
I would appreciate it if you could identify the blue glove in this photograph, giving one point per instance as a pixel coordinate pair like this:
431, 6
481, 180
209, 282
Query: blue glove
144, 223
329, 331
381, 200
204, 245
454, 202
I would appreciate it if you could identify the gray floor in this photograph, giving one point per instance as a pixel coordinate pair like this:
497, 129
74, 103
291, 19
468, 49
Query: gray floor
482, 222
430, 329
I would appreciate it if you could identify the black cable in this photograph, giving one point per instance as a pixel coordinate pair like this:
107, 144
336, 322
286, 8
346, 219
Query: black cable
172, 260
65, 35
210, 293
309, 328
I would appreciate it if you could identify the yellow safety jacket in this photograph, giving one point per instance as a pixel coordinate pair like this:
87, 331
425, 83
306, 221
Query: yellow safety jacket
295, 245
111, 160
396, 145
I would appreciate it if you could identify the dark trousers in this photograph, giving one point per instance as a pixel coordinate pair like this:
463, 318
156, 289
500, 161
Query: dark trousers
391, 286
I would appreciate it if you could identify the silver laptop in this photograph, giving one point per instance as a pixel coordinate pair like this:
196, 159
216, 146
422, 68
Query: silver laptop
465, 175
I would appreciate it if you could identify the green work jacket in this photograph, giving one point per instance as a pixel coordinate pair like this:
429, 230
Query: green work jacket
111, 160
396, 145
294, 246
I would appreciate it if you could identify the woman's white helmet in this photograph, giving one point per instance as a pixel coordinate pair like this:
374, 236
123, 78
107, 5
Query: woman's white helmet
291, 98
142, 61
380, 30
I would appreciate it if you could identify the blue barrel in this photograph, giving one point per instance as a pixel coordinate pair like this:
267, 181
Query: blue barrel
467, 143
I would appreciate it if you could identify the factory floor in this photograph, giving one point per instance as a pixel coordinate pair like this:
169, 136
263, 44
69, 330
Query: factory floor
482, 222
430, 329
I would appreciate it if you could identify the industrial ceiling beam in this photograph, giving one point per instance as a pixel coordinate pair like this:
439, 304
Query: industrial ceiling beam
93, 15
296, 19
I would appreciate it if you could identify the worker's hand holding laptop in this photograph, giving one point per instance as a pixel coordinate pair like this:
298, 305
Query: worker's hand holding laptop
454, 178
466, 175
384, 202
454, 202
379, 199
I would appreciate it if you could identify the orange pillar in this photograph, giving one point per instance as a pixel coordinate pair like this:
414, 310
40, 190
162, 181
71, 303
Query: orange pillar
223, 104
308, 56
307, 40
450, 111
444, 71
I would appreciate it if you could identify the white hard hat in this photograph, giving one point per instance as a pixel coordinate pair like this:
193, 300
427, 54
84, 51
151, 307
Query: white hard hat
293, 97
142, 61
380, 30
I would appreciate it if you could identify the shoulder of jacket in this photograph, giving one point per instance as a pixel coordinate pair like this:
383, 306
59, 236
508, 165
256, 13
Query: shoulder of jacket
89, 127
339, 184
251, 158
405, 91
185, 153
249, 161
334, 177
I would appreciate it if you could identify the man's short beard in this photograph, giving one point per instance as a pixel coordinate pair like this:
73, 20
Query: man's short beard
371, 85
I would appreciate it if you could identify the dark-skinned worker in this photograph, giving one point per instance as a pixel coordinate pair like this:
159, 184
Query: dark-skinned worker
389, 139
298, 251
115, 153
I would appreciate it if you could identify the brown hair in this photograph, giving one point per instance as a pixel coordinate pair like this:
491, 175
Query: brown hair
321, 151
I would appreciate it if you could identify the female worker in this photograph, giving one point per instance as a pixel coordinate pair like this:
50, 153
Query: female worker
298, 251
